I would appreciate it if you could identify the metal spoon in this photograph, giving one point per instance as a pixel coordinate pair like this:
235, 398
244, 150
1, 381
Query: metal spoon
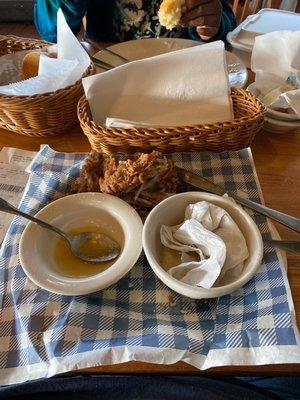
88, 246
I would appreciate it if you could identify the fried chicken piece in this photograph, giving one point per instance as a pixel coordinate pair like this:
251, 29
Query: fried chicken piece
134, 172
143, 180
92, 168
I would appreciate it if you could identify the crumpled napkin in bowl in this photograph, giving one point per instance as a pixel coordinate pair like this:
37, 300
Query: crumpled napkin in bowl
210, 241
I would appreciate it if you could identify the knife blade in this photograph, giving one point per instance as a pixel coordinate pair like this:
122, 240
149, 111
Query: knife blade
204, 184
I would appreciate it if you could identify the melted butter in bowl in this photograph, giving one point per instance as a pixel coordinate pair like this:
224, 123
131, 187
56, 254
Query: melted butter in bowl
170, 258
50, 264
72, 267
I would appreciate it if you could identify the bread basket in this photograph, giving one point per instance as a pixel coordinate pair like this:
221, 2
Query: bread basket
232, 135
42, 114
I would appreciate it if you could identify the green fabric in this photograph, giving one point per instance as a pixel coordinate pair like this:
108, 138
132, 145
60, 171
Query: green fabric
45, 16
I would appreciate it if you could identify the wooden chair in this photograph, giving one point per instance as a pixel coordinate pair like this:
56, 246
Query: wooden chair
243, 8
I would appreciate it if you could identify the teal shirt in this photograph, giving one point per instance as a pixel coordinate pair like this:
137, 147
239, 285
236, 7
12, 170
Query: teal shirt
117, 20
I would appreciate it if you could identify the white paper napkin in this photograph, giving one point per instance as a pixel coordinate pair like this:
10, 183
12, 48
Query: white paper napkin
72, 60
276, 63
211, 234
185, 87
289, 99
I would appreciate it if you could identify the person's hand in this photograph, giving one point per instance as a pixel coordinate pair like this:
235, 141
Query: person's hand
205, 15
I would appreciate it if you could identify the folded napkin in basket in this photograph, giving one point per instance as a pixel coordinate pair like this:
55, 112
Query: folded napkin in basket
217, 242
185, 87
69, 66
276, 63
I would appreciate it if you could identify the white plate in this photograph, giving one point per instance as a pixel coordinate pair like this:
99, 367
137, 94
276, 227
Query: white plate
171, 212
143, 48
37, 244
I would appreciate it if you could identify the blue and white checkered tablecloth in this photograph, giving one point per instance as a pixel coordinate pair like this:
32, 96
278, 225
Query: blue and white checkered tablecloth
42, 334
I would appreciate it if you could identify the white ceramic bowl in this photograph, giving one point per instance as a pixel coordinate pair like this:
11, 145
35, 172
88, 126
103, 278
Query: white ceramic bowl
276, 121
276, 126
272, 113
75, 211
171, 212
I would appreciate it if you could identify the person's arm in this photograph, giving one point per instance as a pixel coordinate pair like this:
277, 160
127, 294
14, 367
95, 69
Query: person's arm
208, 20
45, 16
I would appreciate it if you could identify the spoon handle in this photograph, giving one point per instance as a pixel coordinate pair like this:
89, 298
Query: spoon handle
6, 207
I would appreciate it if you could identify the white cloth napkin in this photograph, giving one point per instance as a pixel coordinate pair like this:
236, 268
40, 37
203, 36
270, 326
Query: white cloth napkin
216, 241
276, 63
184, 87
72, 60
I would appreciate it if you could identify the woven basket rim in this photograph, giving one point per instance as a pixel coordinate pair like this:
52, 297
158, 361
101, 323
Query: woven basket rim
87, 120
4, 97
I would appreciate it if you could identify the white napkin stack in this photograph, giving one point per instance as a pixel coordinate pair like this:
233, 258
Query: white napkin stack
55, 73
276, 63
185, 87
211, 234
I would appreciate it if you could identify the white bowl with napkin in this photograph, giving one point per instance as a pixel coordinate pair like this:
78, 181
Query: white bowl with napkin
276, 63
218, 272
275, 121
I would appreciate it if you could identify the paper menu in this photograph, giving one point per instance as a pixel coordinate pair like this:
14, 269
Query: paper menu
13, 179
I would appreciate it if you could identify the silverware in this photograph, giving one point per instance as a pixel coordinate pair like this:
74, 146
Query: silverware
105, 65
288, 245
115, 54
202, 183
88, 246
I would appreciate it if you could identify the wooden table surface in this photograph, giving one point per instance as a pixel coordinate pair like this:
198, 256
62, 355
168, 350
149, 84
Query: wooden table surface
277, 161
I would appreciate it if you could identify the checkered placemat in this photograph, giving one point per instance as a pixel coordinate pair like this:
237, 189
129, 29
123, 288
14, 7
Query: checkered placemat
139, 318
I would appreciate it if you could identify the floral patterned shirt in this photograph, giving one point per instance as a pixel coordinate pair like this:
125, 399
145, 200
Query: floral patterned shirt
117, 20
134, 19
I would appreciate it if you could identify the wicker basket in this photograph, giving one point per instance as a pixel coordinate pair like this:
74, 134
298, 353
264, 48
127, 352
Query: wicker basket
232, 135
42, 114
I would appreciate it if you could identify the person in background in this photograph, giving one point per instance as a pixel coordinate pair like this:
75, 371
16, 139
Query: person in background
121, 20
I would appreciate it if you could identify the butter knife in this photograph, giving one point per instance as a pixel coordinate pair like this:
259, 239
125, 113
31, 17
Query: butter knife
287, 245
202, 183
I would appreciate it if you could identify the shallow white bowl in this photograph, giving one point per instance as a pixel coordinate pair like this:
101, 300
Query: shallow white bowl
276, 115
171, 212
276, 126
79, 210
